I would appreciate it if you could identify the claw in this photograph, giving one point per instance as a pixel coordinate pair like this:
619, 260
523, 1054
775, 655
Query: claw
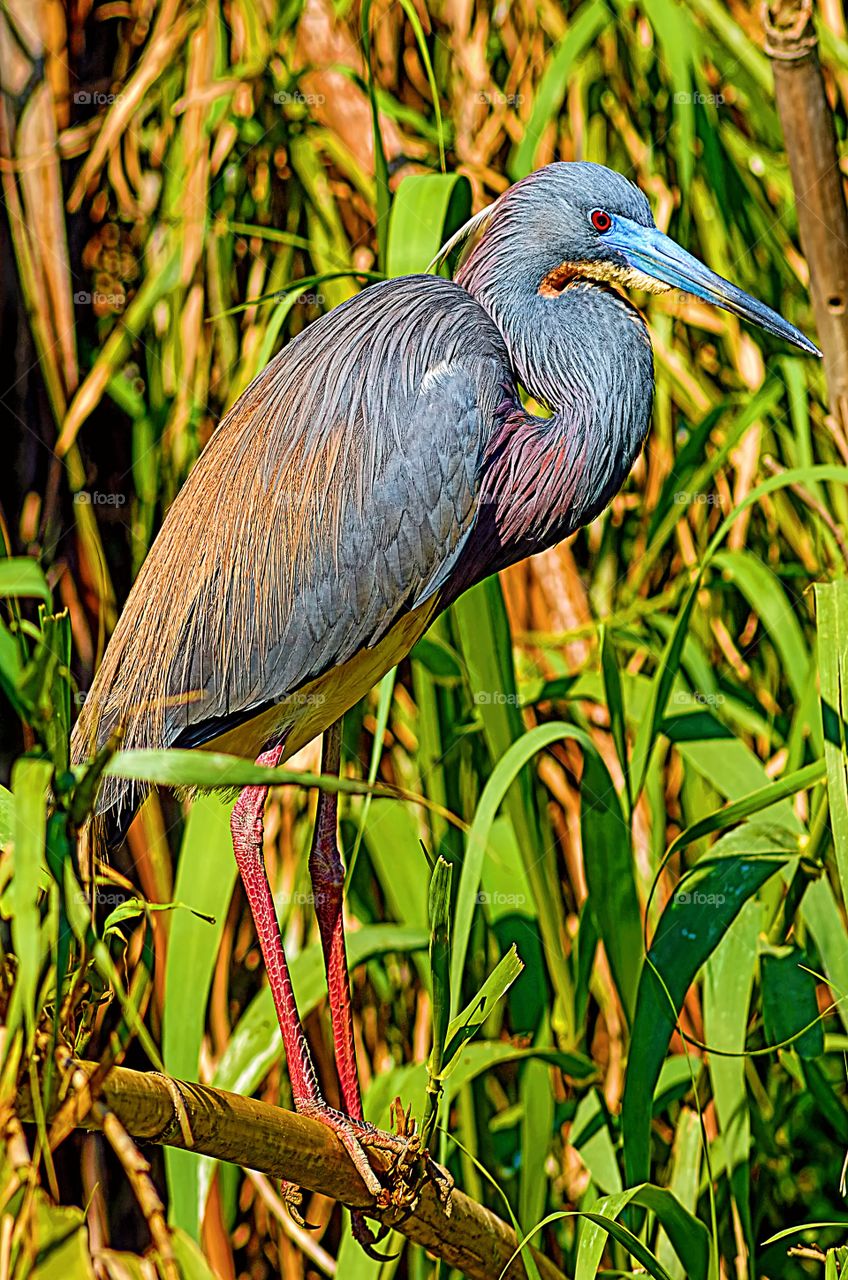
292, 1197
394, 1179
361, 1233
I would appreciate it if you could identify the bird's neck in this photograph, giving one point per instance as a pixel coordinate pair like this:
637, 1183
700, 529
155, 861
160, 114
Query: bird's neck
586, 355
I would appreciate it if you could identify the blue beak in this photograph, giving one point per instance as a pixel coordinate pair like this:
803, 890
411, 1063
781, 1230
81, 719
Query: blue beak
647, 250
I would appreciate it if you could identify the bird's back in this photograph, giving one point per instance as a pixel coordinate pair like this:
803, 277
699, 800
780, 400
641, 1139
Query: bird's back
330, 504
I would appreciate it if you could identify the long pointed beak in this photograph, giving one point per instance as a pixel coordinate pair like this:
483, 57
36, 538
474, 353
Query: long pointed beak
647, 250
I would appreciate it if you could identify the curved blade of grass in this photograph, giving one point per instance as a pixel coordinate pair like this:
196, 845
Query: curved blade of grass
503, 775
427, 207
491, 677
729, 982
609, 1227
767, 597
22, 576
206, 875
670, 662
421, 40
756, 802
689, 1237
583, 29
832, 611
691, 926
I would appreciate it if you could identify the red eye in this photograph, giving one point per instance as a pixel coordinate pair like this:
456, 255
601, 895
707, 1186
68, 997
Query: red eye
600, 220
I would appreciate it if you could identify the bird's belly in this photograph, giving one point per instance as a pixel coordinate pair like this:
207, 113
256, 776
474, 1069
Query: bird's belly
310, 710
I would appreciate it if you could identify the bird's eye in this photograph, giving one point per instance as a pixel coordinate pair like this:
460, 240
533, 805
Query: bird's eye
600, 220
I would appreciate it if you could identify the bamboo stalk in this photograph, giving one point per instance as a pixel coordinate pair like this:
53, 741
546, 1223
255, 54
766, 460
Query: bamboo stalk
808, 131
159, 1109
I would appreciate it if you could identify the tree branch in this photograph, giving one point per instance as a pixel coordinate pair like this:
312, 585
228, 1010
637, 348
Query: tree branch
159, 1109
810, 137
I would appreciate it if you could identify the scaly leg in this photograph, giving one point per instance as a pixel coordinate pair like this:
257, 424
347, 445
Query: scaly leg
247, 830
327, 873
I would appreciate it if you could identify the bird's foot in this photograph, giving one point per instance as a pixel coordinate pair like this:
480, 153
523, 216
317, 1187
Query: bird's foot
292, 1197
404, 1167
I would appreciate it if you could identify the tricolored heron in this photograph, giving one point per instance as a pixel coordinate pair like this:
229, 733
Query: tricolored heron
379, 466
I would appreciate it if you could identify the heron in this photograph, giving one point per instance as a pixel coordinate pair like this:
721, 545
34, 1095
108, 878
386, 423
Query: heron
382, 464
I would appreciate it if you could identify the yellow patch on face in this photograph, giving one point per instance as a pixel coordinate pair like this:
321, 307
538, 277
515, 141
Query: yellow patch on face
570, 273
310, 710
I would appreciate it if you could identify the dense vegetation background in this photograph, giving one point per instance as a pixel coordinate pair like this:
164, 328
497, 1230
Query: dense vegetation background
186, 185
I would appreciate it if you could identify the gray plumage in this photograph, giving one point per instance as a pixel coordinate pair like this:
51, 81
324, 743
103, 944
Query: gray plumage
380, 465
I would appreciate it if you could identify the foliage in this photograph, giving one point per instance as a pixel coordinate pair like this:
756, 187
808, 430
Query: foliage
630, 754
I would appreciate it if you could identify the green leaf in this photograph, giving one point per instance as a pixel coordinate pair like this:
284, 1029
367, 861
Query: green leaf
684, 1182
689, 1237
790, 1007
608, 864
7, 816
755, 802
439, 911
728, 985
615, 705
767, 597
468, 1022
491, 678
426, 209
30, 783
590, 1137
661, 686
832, 610
503, 775
537, 1128
690, 928
22, 576
206, 875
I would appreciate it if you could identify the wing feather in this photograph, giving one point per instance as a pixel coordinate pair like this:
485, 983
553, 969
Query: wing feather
334, 497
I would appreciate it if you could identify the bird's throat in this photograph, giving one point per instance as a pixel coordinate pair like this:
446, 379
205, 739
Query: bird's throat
585, 353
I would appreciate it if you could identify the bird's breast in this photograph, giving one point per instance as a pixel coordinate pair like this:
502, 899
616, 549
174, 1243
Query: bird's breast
308, 711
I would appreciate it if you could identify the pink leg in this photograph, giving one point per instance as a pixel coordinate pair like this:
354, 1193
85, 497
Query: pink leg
247, 831
327, 872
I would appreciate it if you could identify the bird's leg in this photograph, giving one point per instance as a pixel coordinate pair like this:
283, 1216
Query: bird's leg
247, 831
327, 874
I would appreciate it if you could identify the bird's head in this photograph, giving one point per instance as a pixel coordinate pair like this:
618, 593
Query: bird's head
572, 222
